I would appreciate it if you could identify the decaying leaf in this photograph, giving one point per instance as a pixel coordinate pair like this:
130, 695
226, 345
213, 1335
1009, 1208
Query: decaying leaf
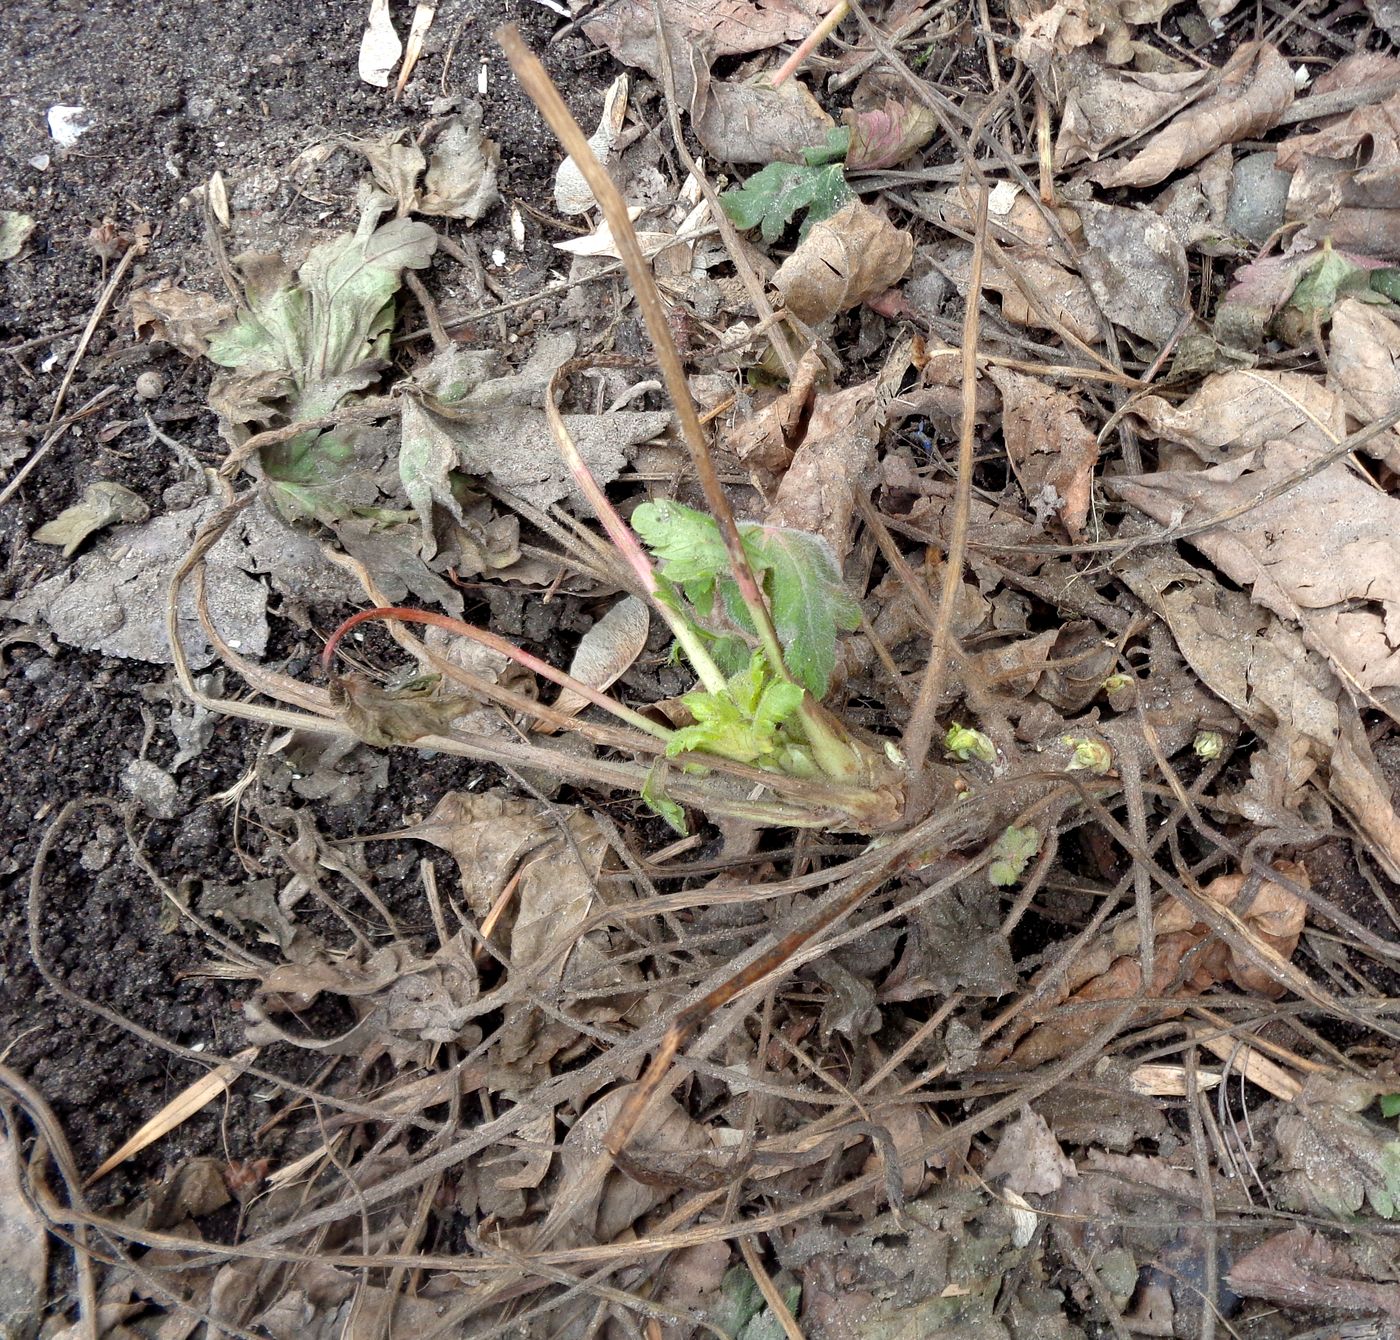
15, 230
163, 311
1284, 692
1301, 1268
497, 429
24, 1248
113, 598
1105, 106
1254, 90
843, 260
572, 193
1363, 364
1324, 553
729, 28
602, 1207
380, 47
1338, 1163
1136, 269
1343, 175
606, 652
1050, 446
835, 458
104, 503
460, 181
1029, 1158
755, 122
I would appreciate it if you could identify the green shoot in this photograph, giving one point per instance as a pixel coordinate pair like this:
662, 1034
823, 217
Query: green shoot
772, 197
1011, 855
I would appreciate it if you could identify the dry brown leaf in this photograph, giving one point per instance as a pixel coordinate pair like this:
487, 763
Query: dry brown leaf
727, 28
1325, 553
1051, 448
1363, 364
766, 439
1235, 413
1274, 916
1136, 269
1344, 176
1104, 107
487, 834
605, 653
1300, 1268
596, 1199
24, 1246
1255, 88
1062, 293
756, 123
843, 260
836, 458
1051, 32
1029, 1157
1286, 694
164, 312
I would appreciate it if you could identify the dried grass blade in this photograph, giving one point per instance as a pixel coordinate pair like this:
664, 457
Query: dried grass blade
179, 1110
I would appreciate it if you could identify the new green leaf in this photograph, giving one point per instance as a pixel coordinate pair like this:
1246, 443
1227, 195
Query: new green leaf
808, 600
772, 197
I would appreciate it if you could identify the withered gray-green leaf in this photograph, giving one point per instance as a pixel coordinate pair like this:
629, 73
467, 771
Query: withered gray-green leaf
15, 229
103, 504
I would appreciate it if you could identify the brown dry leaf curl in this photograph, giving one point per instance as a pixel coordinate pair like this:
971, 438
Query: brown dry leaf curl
1052, 449
1344, 183
1256, 87
843, 260
1111, 972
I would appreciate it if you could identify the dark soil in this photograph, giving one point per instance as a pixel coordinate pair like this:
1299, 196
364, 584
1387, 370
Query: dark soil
176, 91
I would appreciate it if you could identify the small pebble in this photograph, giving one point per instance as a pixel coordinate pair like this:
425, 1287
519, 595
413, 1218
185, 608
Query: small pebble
150, 386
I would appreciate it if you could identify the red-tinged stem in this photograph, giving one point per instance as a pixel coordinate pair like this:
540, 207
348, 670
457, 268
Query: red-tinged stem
811, 42
498, 644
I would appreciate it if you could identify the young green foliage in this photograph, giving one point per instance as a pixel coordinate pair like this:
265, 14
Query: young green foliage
771, 198
746, 722
306, 344
798, 571
1011, 855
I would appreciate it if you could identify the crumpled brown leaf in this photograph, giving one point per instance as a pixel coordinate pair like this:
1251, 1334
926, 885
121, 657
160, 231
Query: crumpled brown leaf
163, 311
458, 173
1105, 107
1051, 448
1255, 88
1325, 553
1064, 295
1030, 1158
1187, 962
1363, 365
766, 439
728, 28
843, 260
1282, 691
605, 653
601, 1207
1301, 1268
104, 503
1136, 269
1346, 176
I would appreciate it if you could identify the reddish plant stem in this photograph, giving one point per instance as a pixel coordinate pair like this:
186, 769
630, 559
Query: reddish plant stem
498, 644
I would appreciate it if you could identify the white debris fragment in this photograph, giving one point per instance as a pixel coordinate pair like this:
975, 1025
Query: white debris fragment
66, 124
